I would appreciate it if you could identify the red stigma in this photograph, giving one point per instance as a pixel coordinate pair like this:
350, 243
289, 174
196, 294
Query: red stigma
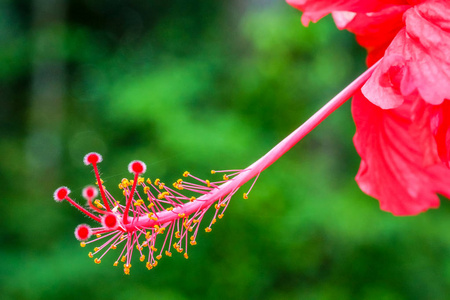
90, 192
83, 232
61, 193
92, 158
137, 167
110, 221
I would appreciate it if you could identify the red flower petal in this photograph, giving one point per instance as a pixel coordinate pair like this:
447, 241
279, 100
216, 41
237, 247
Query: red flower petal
393, 168
316, 9
417, 61
374, 31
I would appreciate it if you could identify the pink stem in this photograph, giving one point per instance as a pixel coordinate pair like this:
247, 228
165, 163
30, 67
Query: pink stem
262, 163
100, 186
82, 209
130, 198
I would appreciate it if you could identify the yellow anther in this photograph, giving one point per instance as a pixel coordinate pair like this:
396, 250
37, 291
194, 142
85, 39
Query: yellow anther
125, 182
101, 180
192, 238
154, 218
153, 248
168, 253
169, 208
162, 195
161, 231
223, 204
131, 182
127, 266
149, 215
149, 265
175, 245
120, 186
126, 271
186, 255
83, 244
181, 215
245, 196
123, 259
157, 181
214, 221
148, 235
115, 263
96, 249
97, 261
195, 221
213, 172
220, 216
208, 183
90, 255
125, 193
186, 174
155, 264
146, 189
216, 206
144, 244
225, 177
190, 229
161, 185
142, 258
208, 229
114, 247
151, 204
192, 199
149, 181
159, 257
193, 243
180, 250
138, 247
180, 181
137, 203
141, 180
177, 234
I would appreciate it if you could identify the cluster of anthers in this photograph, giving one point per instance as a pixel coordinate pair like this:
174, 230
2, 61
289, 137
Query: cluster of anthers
156, 211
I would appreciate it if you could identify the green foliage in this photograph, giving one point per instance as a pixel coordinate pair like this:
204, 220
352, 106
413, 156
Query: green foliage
198, 86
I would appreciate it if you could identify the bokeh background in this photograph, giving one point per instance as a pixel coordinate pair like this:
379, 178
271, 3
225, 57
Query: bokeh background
196, 85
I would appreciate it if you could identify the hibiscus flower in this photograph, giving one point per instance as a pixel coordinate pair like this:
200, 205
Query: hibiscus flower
402, 113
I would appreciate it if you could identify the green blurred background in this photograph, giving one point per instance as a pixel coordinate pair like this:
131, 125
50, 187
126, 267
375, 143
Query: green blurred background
196, 85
